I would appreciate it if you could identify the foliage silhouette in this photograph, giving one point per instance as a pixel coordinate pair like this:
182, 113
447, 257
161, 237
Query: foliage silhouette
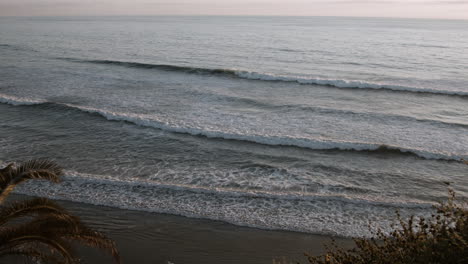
441, 238
38, 229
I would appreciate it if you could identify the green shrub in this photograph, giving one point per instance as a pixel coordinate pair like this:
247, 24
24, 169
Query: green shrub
441, 238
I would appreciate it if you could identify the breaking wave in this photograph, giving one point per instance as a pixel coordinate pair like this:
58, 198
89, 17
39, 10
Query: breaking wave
309, 143
350, 84
13, 100
313, 213
104, 180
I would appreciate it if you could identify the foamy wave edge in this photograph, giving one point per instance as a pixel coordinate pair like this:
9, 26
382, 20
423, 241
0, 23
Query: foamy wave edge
272, 140
250, 75
315, 144
344, 83
84, 178
132, 195
308, 143
13, 100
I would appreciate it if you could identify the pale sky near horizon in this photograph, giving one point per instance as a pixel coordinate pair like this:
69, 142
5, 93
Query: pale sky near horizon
445, 9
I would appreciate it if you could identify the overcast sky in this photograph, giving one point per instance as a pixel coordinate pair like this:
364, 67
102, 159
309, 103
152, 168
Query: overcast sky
451, 9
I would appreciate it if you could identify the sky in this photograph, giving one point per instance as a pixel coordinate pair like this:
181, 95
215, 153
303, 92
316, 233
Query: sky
445, 9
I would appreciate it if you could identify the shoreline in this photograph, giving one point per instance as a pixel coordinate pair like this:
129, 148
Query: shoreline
144, 237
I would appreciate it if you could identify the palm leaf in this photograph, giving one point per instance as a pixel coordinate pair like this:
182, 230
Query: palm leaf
5, 175
71, 228
54, 245
7, 168
36, 206
39, 165
40, 233
58, 227
95, 239
32, 253
33, 169
51, 226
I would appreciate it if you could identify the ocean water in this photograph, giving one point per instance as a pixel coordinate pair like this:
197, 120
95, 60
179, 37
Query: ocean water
309, 124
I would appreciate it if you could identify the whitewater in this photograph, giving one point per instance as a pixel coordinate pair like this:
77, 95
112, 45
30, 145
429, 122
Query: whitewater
271, 77
297, 124
311, 143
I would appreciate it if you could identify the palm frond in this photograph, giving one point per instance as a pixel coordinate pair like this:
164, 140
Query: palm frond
49, 227
98, 240
33, 254
39, 164
32, 169
7, 168
55, 245
5, 175
71, 228
32, 207
41, 233
58, 227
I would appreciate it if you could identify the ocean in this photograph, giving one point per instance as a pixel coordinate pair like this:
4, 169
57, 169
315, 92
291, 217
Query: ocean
310, 124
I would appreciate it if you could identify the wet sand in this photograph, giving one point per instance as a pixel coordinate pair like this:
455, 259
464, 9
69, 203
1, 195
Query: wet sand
144, 237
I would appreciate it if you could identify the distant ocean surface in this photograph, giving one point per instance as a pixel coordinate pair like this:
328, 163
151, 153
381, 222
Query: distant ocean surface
309, 124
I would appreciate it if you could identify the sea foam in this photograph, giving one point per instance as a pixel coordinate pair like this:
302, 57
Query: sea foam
251, 75
309, 143
13, 100
313, 213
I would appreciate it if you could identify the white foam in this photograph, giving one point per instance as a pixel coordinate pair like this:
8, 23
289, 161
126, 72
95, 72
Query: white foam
314, 214
310, 143
250, 75
13, 100
343, 83
231, 192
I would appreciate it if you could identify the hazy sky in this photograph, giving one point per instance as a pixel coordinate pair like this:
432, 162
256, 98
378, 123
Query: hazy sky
455, 9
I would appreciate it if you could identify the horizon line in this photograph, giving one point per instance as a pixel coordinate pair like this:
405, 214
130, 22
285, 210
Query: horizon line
236, 15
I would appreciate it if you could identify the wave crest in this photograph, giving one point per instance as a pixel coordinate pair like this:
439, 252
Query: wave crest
309, 143
250, 75
13, 100
315, 144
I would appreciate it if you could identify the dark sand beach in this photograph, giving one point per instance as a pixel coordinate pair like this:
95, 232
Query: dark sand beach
143, 237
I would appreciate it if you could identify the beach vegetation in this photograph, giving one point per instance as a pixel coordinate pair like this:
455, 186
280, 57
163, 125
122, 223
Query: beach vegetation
38, 229
441, 238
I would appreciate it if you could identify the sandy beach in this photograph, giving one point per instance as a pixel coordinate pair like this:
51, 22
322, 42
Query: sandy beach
146, 238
